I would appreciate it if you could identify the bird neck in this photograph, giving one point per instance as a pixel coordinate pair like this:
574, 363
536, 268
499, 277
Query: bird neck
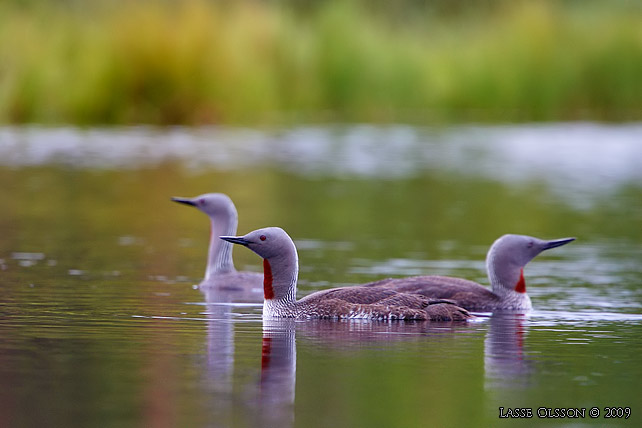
279, 279
505, 277
280, 275
219, 257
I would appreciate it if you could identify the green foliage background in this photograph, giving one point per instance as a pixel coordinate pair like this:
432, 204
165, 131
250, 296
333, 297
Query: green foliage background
254, 62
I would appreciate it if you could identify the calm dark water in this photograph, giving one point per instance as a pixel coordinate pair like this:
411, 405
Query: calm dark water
101, 323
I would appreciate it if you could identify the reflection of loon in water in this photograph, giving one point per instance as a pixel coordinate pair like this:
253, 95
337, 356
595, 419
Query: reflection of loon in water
276, 395
220, 341
278, 373
219, 364
505, 363
274, 391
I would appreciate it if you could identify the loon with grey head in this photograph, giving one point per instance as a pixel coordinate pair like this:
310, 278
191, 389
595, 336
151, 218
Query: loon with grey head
220, 272
505, 264
280, 270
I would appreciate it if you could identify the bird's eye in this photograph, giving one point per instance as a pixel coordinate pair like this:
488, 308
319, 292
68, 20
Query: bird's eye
201, 201
262, 237
530, 244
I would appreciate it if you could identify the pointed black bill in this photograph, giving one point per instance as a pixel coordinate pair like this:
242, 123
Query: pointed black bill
236, 240
557, 243
185, 201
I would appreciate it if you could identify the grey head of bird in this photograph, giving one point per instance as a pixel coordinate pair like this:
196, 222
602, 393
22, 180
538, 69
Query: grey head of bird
269, 242
280, 260
213, 204
509, 254
223, 219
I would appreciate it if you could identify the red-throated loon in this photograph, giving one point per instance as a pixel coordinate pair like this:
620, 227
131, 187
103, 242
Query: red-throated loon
220, 272
281, 266
505, 265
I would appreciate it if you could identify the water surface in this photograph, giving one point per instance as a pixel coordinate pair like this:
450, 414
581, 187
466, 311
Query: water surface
103, 324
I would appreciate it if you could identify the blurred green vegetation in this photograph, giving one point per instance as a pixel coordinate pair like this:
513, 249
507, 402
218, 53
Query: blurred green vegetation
252, 62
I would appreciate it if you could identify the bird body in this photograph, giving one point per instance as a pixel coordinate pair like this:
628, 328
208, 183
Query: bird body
376, 303
467, 294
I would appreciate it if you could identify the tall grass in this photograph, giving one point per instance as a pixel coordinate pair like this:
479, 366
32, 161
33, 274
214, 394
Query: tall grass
201, 61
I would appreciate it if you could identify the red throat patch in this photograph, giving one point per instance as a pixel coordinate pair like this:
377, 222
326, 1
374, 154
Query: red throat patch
520, 287
268, 291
